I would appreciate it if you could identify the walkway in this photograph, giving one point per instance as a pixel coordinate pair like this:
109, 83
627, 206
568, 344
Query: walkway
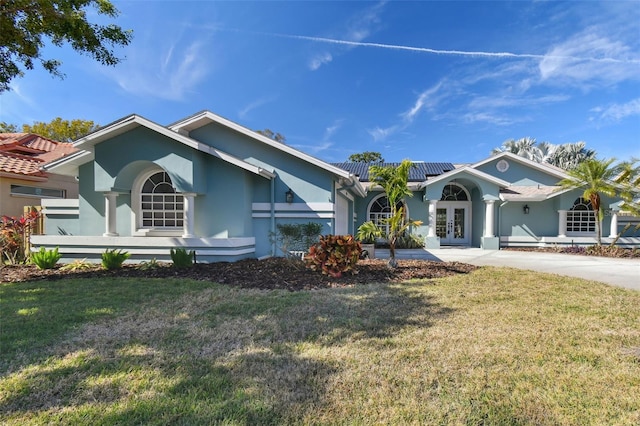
618, 272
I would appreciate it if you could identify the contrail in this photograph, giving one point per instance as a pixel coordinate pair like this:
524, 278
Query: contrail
449, 52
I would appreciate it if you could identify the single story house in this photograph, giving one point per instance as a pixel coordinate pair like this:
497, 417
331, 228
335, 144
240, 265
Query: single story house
22, 181
211, 185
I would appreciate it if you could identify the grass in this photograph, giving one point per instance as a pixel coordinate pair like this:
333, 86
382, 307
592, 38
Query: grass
497, 346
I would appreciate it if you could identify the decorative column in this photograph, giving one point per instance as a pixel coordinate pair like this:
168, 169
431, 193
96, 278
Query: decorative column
489, 218
432, 218
110, 199
188, 220
562, 223
613, 228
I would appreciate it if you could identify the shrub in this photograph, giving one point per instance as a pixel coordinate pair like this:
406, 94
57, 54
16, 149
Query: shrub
45, 259
182, 258
113, 259
77, 265
334, 255
151, 264
296, 237
14, 233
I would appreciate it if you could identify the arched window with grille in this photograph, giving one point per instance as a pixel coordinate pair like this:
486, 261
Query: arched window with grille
380, 210
580, 218
160, 205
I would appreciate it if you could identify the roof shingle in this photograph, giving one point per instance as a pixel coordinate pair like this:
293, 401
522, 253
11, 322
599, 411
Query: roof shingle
418, 173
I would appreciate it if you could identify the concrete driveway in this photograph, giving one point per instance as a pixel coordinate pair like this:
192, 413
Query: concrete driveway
618, 272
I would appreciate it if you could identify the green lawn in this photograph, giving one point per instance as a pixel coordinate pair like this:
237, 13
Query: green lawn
497, 346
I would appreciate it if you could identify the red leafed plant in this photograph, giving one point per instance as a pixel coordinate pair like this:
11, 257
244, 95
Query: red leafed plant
334, 254
14, 233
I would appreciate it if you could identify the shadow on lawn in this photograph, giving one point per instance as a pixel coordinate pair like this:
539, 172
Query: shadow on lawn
213, 355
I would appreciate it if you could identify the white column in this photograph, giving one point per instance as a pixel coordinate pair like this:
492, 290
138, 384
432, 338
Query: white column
187, 231
562, 223
488, 218
110, 214
613, 229
432, 218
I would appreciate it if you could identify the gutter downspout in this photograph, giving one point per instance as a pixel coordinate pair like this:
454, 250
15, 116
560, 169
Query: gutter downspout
273, 217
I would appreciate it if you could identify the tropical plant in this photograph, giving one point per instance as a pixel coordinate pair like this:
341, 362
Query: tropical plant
77, 265
334, 255
113, 259
595, 178
368, 232
393, 181
14, 235
296, 236
46, 259
566, 156
181, 258
149, 265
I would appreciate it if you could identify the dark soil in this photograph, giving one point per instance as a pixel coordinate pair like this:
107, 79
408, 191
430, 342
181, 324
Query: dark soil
272, 273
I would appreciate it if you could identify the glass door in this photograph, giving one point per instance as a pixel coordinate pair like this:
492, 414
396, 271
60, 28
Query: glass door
452, 223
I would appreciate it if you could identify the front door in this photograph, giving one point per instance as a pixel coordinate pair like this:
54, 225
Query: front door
452, 222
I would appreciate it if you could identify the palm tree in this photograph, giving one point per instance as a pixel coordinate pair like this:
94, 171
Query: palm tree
596, 177
629, 181
567, 156
393, 181
524, 147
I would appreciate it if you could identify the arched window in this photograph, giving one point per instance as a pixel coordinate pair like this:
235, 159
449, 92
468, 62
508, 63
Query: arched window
160, 205
454, 192
380, 210
580, 218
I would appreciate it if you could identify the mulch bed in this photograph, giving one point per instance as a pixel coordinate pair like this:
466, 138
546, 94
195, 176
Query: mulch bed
272, 273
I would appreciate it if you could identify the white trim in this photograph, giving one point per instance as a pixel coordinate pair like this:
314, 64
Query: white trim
468, 169
293, 207
61, 202
547, 168
205, 117
99, 241
126, 124
48, 211
294, 215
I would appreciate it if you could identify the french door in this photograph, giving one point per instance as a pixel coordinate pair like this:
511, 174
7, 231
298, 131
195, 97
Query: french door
452, 222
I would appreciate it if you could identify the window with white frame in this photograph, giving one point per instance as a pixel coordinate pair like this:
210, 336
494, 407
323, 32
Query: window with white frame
160, 205
380, 211
580, 218
33, 191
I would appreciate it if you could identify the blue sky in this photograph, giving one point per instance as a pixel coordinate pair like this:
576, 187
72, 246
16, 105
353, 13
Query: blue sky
429, 81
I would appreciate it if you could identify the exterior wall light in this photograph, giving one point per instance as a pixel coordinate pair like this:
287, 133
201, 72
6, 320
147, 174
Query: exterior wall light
525, 209
288, 196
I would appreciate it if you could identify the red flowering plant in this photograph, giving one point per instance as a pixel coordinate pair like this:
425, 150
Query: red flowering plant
14, 235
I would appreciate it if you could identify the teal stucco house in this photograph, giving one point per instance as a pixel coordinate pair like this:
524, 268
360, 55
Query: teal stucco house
211, 185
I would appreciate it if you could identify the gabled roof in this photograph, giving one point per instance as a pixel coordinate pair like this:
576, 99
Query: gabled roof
70, 164
469, 170
203, 118
24, 154
544, 167
418, 173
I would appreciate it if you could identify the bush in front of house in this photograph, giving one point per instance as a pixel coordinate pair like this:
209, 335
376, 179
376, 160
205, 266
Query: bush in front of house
181, 258
334, 255
113, 259
46, 259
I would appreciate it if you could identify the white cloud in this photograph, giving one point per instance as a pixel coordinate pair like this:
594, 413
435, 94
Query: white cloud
162, 71
253, 105
618, 112
379, 134
586, 57
319, 60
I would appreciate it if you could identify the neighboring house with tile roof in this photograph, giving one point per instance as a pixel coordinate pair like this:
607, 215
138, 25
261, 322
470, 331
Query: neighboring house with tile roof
211, 185
22, 180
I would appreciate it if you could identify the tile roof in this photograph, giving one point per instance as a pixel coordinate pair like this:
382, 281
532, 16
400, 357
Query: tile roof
418, 173
26, 153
